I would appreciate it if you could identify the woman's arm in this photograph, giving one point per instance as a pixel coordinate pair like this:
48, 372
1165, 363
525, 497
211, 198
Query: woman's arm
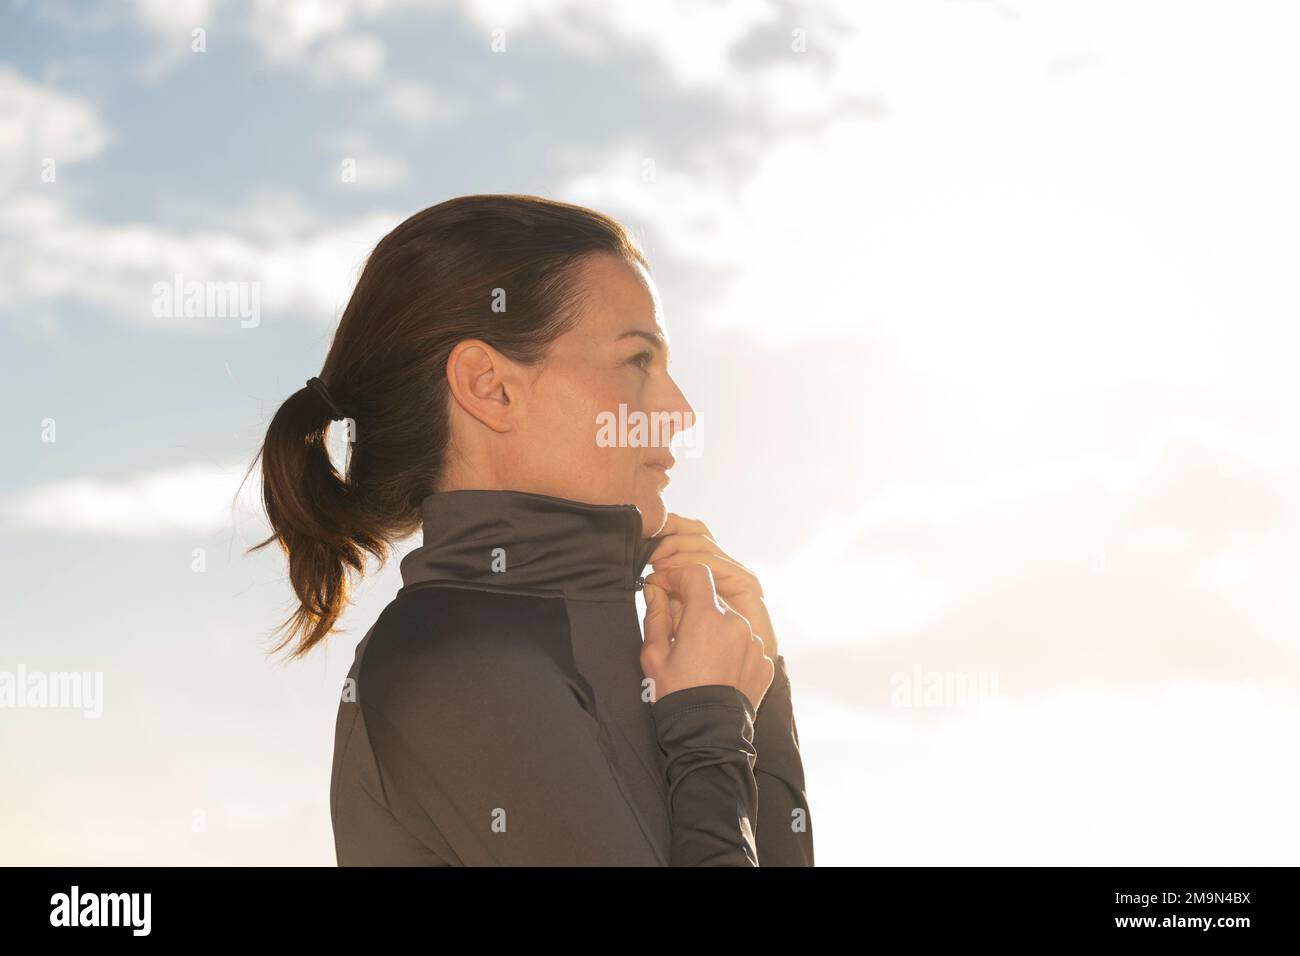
482, 726
784, 834
784, 823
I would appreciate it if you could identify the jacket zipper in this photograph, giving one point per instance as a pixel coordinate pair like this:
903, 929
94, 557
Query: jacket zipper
638, 582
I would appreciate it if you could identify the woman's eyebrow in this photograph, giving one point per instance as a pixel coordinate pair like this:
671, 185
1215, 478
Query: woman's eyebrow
654, 338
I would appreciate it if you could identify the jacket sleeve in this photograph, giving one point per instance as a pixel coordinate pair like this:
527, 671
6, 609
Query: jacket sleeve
784, 823
706, 734
488, 744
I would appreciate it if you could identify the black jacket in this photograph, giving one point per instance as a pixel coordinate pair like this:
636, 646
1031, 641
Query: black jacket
496, 712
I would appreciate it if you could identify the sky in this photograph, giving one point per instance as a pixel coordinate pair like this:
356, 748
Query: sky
987, 309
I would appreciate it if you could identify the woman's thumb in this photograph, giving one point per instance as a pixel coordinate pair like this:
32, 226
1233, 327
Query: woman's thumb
658, 619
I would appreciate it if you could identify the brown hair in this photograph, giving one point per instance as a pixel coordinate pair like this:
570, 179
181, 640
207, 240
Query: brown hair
427, 285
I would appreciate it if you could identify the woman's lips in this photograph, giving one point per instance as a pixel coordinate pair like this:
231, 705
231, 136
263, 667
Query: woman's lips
662, 465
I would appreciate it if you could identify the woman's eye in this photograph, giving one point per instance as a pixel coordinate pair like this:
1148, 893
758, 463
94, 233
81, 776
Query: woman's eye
641, 360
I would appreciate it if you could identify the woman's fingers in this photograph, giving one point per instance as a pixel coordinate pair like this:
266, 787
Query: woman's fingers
686, 542
689, 544
729, 575
713, 643
659, 623
735, 588
695, 544
675, 609
676, 524
689, 584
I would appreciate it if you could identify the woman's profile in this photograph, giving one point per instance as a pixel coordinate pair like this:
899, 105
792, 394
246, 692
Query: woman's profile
506, 708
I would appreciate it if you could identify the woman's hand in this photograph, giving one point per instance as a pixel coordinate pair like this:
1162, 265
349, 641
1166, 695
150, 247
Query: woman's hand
699, 641
690, 542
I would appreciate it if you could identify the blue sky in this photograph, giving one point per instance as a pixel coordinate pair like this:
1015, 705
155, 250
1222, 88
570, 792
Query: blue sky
987, 309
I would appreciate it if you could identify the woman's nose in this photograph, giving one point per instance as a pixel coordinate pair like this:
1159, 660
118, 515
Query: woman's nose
681, 412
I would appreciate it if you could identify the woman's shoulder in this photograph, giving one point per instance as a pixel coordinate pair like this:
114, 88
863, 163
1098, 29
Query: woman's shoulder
458, 643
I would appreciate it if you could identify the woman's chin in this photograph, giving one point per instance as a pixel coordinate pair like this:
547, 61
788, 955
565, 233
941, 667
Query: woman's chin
653, 513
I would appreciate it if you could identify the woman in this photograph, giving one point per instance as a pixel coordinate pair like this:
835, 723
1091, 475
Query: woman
505, 708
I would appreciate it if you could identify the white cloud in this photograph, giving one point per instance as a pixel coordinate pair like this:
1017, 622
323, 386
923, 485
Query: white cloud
373, 168
51, 255
1084, 777
1109, 572
353, 58
286, 31
39, 123
694, 42
173, 23
1009, 224
191, 499
321, 36
418, 104
175, 18
375, 171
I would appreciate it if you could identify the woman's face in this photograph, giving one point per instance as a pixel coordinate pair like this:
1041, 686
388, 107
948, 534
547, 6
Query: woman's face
599, 413
593, 421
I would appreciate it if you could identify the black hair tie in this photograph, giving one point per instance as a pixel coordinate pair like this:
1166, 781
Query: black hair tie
321, 390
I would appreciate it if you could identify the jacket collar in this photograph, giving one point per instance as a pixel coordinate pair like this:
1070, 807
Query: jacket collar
520, 540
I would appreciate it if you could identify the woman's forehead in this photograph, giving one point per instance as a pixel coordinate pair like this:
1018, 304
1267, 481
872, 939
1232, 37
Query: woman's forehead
617, 297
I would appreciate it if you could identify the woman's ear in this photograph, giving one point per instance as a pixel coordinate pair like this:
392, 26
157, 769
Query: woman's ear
485, 384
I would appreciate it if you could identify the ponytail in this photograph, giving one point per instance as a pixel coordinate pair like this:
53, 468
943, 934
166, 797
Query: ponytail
311, 510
